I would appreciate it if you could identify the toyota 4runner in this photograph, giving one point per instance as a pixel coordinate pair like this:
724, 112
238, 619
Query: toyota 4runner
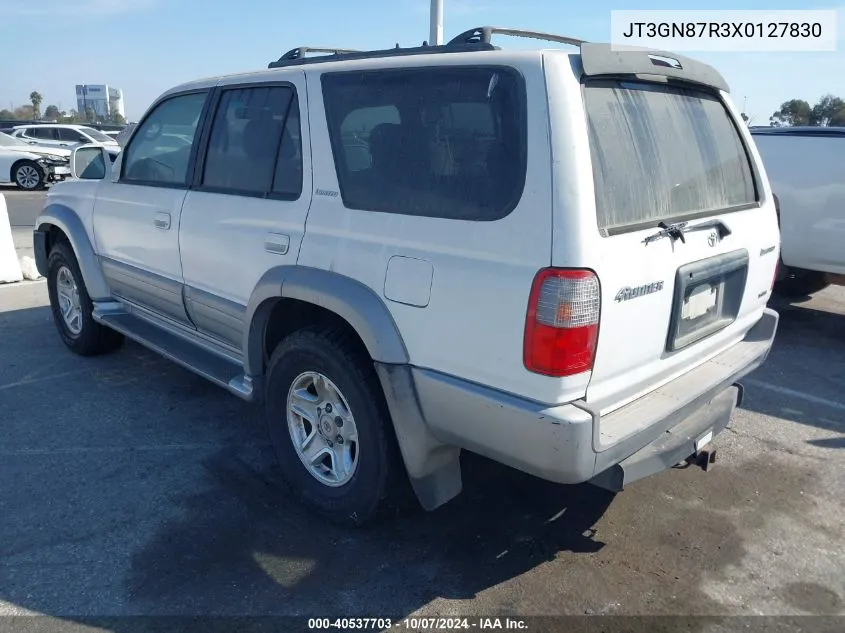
557, 259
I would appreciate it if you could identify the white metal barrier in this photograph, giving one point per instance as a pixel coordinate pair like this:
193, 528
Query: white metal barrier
10, 267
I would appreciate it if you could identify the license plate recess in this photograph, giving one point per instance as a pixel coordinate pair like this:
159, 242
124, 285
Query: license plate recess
708, 295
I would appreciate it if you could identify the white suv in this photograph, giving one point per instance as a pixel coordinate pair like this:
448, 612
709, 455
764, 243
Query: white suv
560, 260
62, 135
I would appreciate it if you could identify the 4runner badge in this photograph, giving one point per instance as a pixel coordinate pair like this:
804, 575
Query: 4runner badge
627, 292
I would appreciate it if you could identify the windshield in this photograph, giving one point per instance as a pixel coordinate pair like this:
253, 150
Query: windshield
663, 153
97, 135
11, 141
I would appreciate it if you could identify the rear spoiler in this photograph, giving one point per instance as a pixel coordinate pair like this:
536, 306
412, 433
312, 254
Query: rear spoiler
614, 60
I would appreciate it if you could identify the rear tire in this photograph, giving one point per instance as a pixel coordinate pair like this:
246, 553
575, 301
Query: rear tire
800, 283
72, 307
310, 368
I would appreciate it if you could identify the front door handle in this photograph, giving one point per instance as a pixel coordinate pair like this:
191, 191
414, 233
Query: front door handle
162, 221
277, 243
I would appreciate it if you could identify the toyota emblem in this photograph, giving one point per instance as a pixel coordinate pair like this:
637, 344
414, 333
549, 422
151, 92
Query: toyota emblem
712, 238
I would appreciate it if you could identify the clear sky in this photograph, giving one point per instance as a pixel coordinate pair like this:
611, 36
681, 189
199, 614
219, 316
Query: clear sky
147, 46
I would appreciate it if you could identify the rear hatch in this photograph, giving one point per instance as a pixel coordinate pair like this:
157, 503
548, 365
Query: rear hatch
670, 300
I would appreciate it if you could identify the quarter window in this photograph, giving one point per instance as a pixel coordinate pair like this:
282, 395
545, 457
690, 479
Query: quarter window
69, 135
437, 142
161, 149
255, 146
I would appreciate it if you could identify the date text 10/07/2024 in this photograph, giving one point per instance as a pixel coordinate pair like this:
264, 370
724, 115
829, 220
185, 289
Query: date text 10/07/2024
418, 624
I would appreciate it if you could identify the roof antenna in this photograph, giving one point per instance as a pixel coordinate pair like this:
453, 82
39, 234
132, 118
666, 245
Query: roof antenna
397, 44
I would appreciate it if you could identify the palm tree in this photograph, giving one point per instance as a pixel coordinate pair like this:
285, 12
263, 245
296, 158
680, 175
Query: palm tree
36, 99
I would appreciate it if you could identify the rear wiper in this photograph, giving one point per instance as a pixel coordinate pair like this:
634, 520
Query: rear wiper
676, 231
722, 228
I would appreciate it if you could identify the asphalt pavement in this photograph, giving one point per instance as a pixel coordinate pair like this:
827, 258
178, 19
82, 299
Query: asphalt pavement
133, 487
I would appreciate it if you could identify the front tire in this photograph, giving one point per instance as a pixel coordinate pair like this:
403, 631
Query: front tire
72, 307
329, 425
29, 176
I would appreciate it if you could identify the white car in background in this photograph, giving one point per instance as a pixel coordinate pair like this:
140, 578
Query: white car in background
14, 143
30, 167
62, 135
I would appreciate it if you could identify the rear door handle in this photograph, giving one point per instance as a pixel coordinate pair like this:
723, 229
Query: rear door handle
162, 221
277, 243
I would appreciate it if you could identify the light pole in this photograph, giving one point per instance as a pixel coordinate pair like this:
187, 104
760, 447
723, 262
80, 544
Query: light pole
84, 112
436, 33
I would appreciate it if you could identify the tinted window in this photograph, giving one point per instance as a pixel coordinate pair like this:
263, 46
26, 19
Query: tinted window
70, 135
42, 133
355, 130
662, 153
161, 149
439, 142
247, 138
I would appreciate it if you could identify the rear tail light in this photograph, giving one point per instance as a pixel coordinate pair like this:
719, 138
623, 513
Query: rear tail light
561, 327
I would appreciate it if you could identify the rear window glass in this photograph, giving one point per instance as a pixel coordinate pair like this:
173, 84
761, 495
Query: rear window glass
436, 142
97, 135
663, 153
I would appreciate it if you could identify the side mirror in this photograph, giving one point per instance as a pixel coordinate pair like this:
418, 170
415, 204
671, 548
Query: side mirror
88, 162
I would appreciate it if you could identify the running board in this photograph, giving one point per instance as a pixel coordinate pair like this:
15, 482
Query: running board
192, 356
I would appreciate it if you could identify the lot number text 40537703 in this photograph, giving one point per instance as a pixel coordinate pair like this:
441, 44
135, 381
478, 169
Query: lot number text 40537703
419, 624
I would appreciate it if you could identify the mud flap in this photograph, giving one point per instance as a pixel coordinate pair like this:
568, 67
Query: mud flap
434, 468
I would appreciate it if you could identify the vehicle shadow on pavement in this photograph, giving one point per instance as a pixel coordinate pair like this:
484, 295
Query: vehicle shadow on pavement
246, 527
244, 546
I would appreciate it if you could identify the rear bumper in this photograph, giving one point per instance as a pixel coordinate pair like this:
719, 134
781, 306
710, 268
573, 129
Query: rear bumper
571, 443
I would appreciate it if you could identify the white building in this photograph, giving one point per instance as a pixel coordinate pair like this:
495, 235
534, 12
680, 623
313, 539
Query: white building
104, 100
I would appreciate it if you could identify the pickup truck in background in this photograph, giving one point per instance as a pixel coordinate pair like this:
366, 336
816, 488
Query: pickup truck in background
806, 168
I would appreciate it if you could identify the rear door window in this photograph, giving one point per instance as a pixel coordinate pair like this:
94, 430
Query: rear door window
436, 142
244, 146
42, 133
663, 153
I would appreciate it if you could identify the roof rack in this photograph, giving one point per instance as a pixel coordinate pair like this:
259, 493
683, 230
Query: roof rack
597, 60
299, 53
477, 39
483, 35
295, 58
